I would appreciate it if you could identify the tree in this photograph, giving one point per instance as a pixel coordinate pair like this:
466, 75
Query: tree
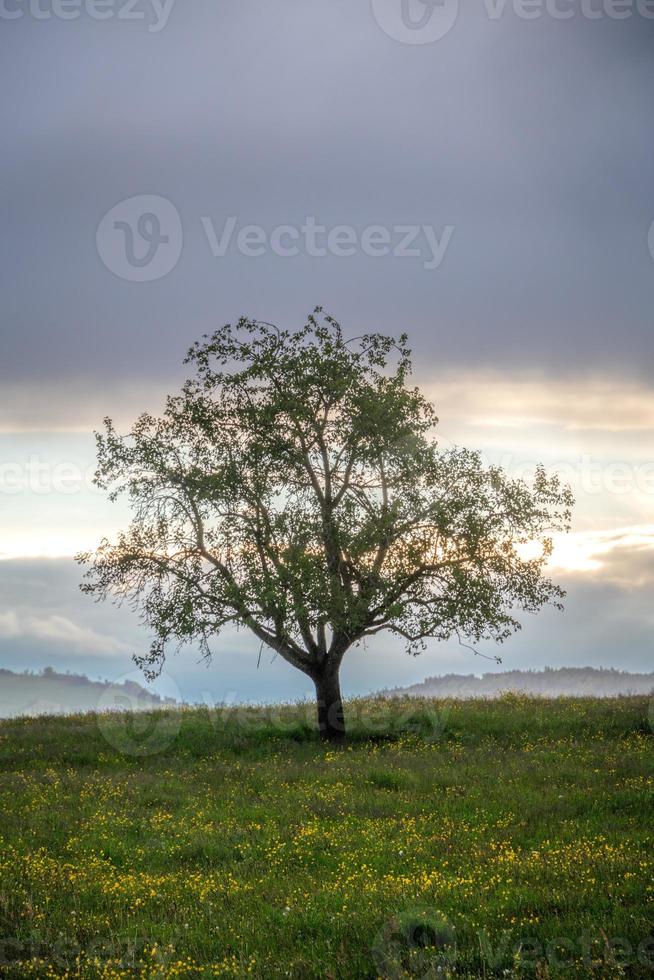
294, 486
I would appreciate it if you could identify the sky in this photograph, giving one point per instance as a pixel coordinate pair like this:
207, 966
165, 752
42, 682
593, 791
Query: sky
477, 174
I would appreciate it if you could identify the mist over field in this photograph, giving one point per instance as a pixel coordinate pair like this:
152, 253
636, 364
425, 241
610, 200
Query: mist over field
47, 692
587, 682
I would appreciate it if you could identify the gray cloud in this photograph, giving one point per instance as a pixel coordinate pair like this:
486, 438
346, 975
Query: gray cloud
531, 138
58, 631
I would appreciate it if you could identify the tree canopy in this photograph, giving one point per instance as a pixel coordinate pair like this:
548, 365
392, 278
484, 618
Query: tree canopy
295, 486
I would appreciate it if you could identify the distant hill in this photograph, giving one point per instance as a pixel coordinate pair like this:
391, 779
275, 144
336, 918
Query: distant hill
551, 682
50, 693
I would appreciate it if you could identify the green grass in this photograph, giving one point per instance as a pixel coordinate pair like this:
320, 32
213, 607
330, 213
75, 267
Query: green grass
503, 838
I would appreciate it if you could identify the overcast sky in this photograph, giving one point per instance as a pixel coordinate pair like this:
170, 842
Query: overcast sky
484, 181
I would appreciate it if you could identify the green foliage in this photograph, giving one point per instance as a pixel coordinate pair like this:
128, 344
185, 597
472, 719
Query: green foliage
295, 486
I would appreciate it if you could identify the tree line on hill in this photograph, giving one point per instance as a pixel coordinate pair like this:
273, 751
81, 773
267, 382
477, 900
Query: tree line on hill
551, 682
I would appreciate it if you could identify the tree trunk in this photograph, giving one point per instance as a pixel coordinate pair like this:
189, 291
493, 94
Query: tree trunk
331, 721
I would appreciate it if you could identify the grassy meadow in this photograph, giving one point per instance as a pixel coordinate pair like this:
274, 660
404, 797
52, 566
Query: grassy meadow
506, 838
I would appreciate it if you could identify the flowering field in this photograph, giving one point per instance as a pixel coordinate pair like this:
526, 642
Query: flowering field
504, 838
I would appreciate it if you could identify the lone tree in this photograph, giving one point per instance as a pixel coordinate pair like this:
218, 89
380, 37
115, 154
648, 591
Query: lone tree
295, 487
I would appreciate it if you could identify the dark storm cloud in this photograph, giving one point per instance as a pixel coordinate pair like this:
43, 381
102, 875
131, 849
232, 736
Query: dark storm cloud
531, 138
